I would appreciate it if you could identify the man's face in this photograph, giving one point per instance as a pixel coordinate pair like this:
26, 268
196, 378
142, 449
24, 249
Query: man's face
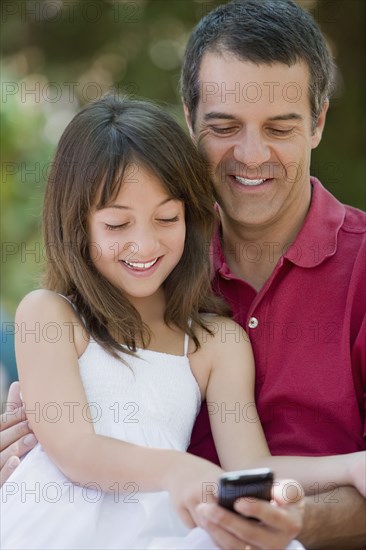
253, 125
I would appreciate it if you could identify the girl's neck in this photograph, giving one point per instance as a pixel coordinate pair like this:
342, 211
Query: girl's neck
151, 308
163, 338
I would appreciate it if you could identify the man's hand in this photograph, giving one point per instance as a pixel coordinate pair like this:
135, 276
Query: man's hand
16, 438
280, 521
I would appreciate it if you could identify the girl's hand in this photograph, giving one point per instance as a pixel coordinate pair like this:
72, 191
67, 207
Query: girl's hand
193, 481
357, 471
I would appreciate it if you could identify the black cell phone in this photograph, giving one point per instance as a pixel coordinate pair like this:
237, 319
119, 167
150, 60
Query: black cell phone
245, 483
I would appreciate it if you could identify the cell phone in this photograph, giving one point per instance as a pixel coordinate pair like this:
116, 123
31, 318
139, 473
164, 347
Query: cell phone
245, 483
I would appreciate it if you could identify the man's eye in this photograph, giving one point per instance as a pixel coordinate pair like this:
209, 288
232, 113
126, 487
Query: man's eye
168, 220
279, 132
114, 227
222, 131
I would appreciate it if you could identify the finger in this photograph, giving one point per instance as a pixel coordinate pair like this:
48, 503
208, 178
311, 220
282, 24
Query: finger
18, 448
223, 539
8, 469
11, 416
256, 534
12, 434
270, 515
287, 491
14, 394
276, 525
220, 535
186, 517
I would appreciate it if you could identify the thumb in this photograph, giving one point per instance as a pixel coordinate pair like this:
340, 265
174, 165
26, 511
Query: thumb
287, 491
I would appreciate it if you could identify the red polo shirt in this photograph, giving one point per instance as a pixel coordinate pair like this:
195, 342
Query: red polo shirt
308, 331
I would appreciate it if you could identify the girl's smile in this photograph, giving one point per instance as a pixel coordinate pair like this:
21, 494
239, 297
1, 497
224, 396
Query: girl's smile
141, 269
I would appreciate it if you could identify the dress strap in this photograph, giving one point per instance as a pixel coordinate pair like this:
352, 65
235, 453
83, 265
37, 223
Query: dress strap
68, 300
186, 342
81, 317
186, 339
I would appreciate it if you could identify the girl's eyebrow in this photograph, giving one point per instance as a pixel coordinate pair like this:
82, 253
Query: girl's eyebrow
122, 207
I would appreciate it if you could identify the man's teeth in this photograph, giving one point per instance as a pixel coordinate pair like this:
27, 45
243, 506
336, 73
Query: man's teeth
141, 265
246, 181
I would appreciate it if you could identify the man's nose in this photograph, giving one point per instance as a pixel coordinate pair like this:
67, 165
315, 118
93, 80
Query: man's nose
251, 148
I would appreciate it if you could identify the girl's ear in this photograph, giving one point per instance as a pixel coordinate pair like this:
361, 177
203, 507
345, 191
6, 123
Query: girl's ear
187, 116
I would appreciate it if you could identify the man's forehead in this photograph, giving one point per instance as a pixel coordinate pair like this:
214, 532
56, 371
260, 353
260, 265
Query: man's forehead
226, 80
213, 62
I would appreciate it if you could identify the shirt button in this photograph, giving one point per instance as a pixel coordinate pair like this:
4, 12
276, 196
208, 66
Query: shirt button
253, 322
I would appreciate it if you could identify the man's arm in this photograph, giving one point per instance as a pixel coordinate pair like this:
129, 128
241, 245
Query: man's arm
335, 519
16, 438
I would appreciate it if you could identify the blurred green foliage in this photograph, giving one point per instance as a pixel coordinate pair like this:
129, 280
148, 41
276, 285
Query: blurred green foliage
59, 54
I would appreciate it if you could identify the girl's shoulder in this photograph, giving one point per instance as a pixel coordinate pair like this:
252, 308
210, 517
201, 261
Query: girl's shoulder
42, 303
45, 309
223, 330
223, 335
227, 340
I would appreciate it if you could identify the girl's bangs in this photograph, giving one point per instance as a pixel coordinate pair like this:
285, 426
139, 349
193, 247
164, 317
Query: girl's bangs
116, 168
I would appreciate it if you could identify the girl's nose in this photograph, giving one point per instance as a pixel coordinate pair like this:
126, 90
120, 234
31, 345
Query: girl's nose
146, 245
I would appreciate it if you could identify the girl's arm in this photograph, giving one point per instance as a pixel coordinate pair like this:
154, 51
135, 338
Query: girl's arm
238, 434
51, 385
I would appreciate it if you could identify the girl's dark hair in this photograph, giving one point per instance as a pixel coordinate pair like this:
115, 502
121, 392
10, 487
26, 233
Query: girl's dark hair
260, 31
96, 151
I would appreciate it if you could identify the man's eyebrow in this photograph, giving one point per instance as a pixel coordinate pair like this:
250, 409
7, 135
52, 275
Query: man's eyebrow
122, 207
225, 116
214, 114
287, 116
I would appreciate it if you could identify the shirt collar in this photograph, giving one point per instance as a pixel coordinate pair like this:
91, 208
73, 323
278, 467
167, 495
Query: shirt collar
316, 241
217, 258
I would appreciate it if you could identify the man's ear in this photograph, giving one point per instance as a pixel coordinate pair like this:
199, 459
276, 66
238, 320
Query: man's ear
318, 131
187, 116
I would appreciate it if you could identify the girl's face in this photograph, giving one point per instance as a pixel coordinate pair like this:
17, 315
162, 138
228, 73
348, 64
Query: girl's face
137, 239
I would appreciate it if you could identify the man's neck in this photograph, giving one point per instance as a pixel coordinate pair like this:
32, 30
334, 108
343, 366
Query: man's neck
252, 252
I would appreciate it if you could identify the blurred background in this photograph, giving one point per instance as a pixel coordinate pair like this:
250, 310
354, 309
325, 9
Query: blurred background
58, 55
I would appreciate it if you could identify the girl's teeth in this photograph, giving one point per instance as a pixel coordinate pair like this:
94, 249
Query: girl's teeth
141, 265
246, 181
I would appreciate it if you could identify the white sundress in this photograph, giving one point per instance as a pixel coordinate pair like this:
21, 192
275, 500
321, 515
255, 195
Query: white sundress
153, 403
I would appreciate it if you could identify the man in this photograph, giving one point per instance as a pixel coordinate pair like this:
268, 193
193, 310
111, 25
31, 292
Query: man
288, 257
255, 87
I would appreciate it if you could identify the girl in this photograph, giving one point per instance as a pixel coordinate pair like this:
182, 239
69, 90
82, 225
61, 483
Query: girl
116, 354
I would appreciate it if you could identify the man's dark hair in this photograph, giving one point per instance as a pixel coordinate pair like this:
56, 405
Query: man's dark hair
260, 31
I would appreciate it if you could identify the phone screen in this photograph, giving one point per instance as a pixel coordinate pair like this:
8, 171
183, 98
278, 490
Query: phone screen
245, 483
